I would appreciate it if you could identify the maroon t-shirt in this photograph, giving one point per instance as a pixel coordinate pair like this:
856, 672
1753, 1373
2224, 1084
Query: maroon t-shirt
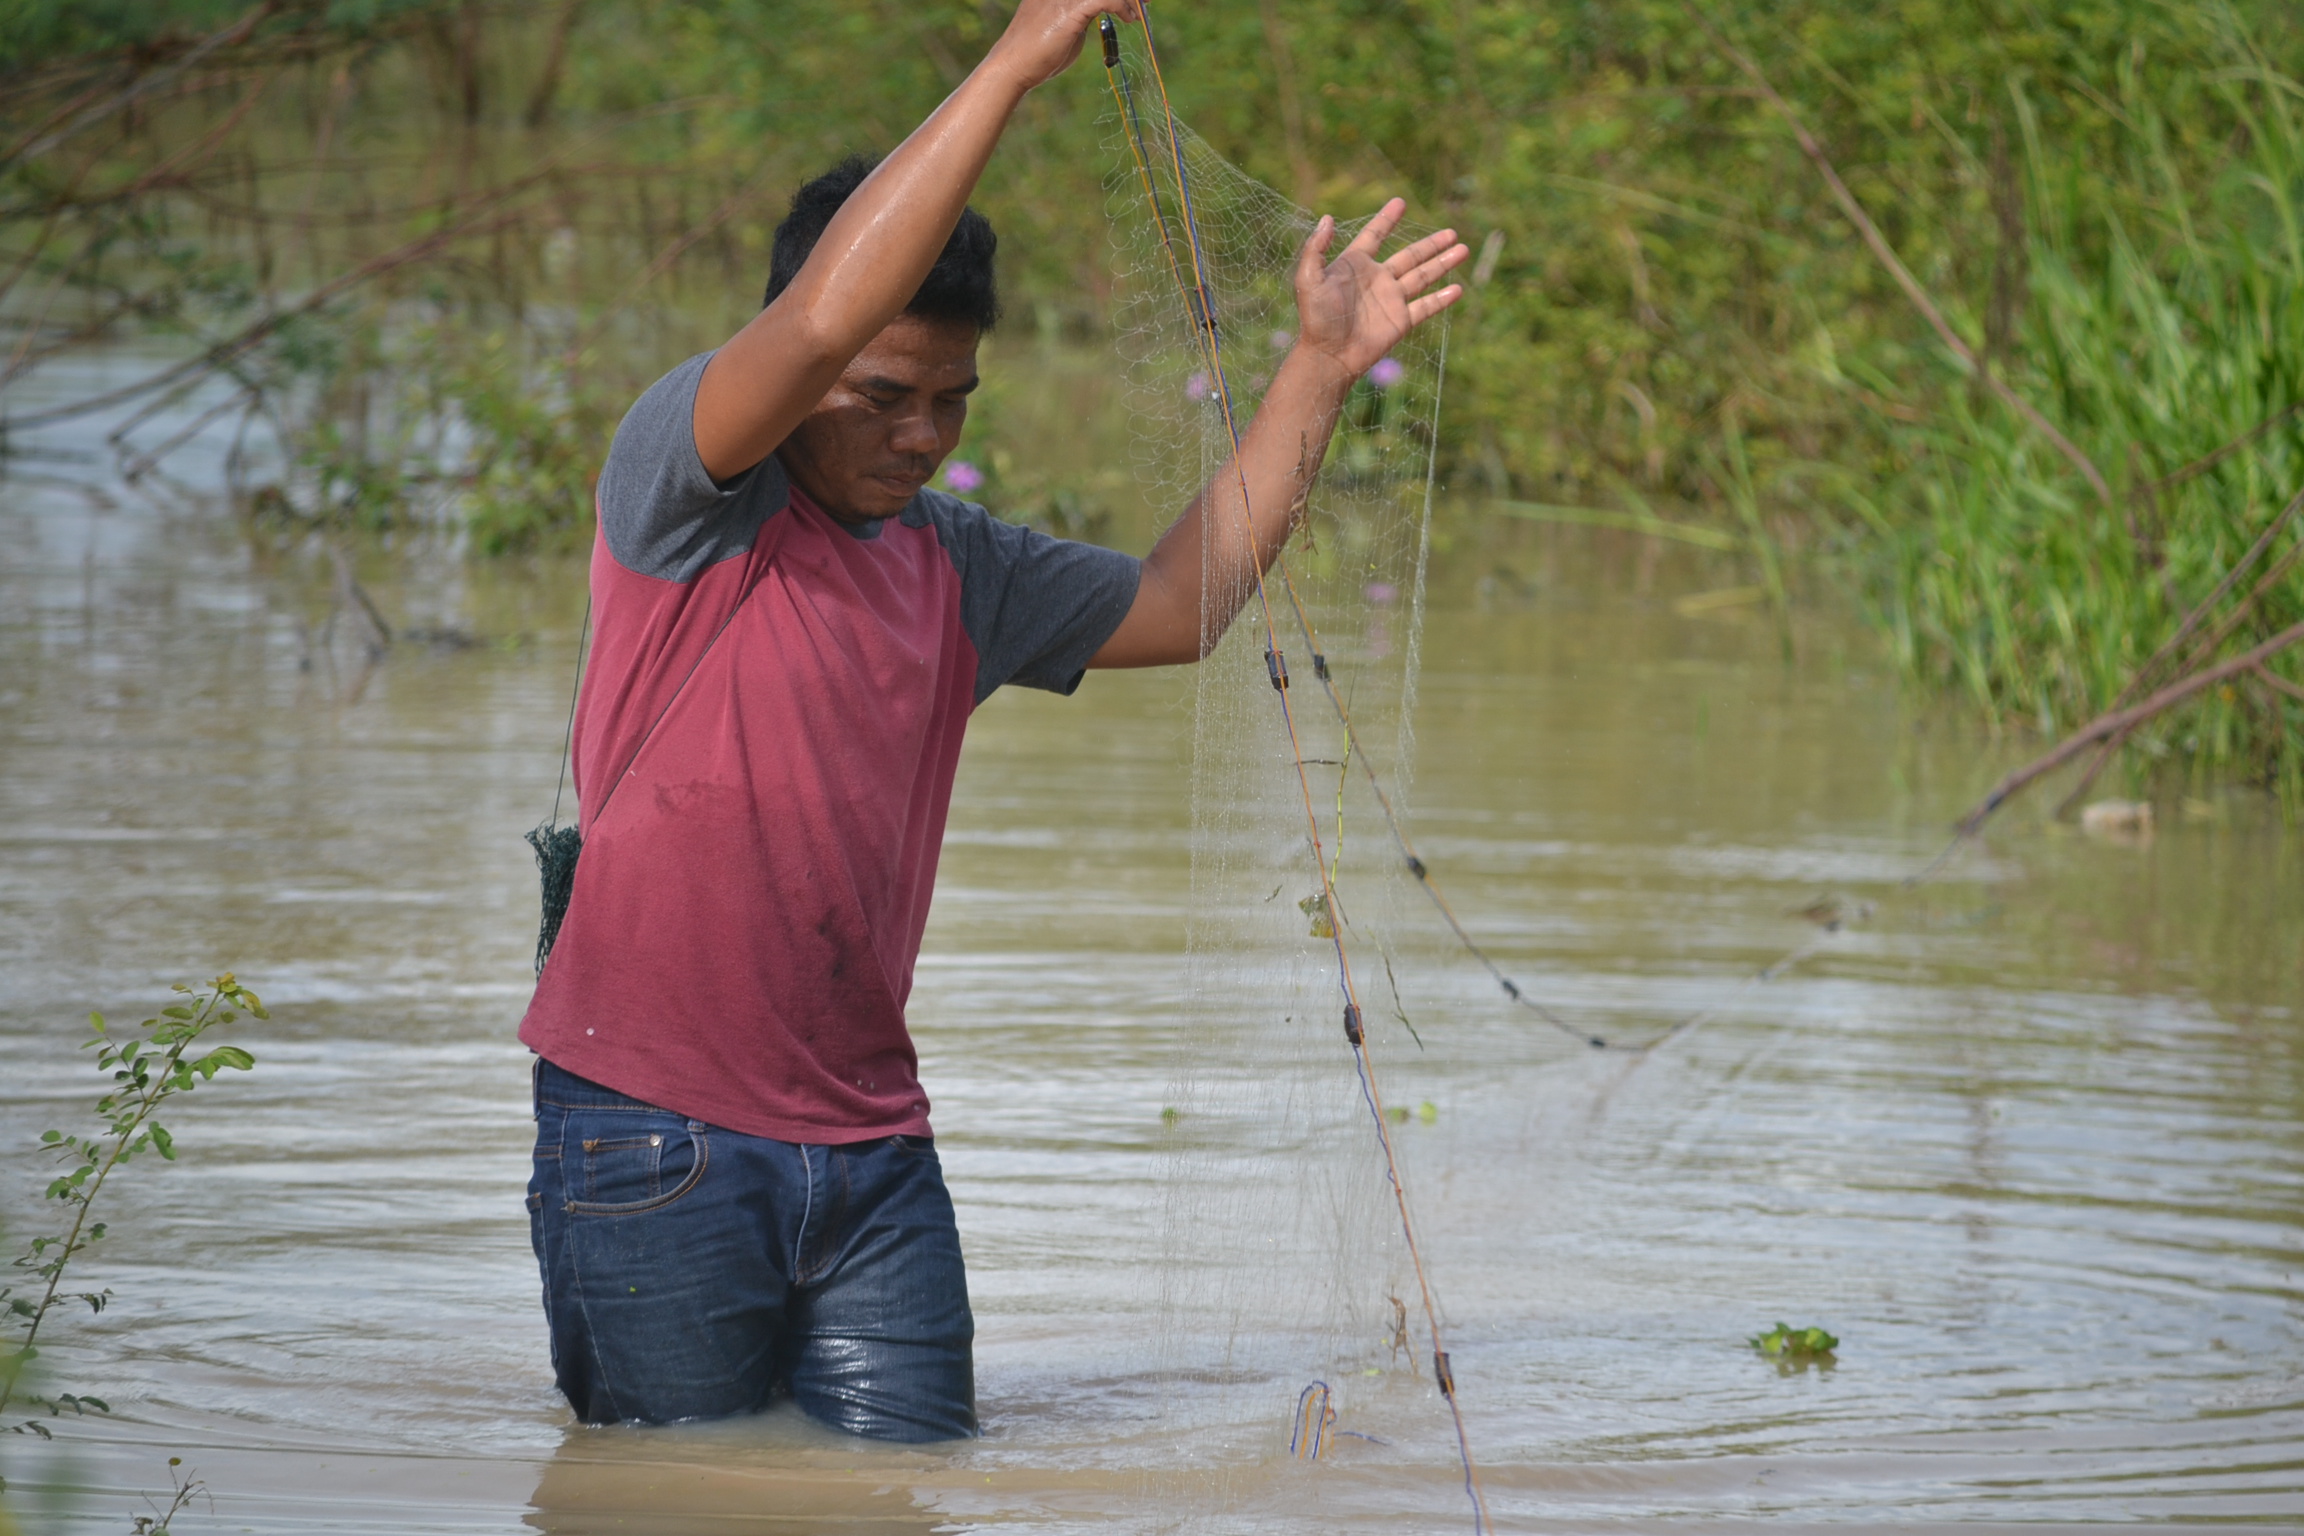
778, 702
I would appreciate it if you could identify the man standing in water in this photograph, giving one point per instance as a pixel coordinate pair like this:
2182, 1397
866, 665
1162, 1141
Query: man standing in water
736, 1193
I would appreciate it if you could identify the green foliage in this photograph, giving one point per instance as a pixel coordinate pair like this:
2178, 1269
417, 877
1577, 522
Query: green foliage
535, 452
1672, 326
148, 1067
2169, 339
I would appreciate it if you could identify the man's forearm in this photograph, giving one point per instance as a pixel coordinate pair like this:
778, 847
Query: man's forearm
878, 248
873, 256
866, 266
1205, 567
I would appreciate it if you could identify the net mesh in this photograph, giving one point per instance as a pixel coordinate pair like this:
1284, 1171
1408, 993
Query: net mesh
1286, 1259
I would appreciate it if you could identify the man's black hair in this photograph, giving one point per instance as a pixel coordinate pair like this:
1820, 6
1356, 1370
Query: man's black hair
959, 287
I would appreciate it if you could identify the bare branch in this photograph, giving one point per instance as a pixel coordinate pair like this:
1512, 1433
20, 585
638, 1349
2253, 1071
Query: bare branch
2115, 722
2147, 673
2279, 684
233, 346
237, 32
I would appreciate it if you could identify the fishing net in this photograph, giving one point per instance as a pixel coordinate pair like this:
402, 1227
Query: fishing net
1289, 1258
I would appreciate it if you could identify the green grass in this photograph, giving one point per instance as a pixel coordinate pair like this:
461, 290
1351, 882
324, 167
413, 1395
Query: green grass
2161, 337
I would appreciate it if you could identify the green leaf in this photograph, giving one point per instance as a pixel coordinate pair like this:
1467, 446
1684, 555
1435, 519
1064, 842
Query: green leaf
231, 1056
165, 1142
50, 1138
1785, 1342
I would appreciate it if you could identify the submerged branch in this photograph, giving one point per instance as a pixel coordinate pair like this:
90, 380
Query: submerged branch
2116, 722
2150, 671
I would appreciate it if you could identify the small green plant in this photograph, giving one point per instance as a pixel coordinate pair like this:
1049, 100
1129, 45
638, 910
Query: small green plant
159, 1060
1787, 1345
184, 1488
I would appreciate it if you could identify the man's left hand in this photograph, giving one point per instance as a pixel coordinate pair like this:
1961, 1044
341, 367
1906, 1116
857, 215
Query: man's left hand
1356, 308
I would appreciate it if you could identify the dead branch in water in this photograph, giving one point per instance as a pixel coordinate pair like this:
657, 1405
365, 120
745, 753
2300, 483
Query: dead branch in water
2148, 673
2114, 722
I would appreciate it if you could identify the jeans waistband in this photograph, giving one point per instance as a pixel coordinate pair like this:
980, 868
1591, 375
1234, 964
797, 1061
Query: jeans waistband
563, 1088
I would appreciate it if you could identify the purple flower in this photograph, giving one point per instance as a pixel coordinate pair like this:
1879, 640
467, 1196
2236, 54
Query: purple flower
962, 477
1197, 387
1282, 341
1387, 372
1381, 593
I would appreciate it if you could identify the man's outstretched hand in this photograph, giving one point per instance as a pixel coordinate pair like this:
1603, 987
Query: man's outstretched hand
1351, 311
1044, 37
1355, 309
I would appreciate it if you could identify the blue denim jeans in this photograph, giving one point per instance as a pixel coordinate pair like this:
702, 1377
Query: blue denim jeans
692, 1272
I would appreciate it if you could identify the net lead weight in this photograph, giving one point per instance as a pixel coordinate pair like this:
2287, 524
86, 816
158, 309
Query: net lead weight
1277, 665
1442, 1375
1352, 1032
1111, 36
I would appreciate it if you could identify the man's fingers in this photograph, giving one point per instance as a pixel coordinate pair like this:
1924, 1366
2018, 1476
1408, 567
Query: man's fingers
1432, 303
1412, 256
1372, 234
1310, 260
1425, 274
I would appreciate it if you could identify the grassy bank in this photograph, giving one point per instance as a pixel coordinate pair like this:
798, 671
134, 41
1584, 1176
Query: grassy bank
512, 216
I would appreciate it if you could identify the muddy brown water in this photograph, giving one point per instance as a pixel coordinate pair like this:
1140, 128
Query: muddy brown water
2031, 1141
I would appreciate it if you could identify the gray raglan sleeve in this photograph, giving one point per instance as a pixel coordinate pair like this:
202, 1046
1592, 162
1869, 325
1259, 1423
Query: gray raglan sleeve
1036, 608
661, 514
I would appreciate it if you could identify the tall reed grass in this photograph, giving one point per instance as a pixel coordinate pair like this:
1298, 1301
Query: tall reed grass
2165, 332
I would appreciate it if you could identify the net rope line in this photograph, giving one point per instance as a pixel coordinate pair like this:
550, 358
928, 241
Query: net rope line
1200, 303
1197, 300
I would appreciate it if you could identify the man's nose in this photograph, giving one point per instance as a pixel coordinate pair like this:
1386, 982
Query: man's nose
914, 431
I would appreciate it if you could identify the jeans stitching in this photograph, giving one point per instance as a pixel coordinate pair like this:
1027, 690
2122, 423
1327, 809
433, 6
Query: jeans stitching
807, 1209
643, 1207
594, 1145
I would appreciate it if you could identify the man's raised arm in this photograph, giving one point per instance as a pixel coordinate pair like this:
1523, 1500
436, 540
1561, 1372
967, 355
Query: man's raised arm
872, 258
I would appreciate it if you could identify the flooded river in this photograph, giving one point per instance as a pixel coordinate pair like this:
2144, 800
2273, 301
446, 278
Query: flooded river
2030, 1141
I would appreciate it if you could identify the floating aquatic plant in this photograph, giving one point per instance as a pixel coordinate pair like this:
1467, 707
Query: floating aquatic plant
1315, 907
1788, 1345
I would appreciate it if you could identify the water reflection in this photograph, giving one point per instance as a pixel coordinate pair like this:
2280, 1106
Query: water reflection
2031, 1141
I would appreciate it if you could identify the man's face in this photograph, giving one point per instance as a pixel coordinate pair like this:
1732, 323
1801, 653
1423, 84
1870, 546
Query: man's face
889, 422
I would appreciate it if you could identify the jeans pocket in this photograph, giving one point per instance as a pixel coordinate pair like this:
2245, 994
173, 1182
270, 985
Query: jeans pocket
625, 1169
